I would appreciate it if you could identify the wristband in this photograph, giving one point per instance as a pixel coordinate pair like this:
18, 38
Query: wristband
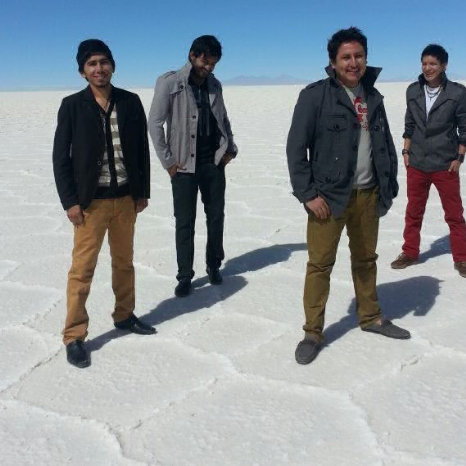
460, 158
405, 152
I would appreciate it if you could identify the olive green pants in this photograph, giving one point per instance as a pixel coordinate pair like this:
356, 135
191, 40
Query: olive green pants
117, 216
323, 236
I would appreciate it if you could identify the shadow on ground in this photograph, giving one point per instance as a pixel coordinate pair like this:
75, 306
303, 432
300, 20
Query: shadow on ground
204, 297
397, 299
437, 248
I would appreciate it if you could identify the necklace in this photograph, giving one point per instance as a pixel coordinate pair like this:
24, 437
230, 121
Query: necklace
432, 92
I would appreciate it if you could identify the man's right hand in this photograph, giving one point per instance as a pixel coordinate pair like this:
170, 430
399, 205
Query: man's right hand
173, 170
319, 208
75, 214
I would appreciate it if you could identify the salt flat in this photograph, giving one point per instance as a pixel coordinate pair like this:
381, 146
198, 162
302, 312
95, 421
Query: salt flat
218, 384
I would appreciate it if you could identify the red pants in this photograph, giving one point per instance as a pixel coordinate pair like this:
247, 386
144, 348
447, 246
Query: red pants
448, 187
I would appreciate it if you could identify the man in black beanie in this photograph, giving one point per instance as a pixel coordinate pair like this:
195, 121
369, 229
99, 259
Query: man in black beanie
101, 168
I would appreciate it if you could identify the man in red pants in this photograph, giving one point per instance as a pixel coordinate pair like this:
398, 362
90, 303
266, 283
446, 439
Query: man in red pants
434, 148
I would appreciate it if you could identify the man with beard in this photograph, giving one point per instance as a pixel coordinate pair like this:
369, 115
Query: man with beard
194, 149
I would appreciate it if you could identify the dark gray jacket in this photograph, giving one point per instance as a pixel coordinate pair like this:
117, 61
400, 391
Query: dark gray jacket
322, 145
435, 139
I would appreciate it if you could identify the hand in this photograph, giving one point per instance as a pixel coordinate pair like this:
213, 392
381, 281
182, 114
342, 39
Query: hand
75, 215
406, 160
454, 166
141, 204
319, 208
173, 170
227, 158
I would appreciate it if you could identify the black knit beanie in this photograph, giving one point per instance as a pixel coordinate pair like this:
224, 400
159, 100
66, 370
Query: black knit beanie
90, 47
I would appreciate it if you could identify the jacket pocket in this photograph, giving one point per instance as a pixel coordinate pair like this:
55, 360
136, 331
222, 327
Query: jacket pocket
337, 123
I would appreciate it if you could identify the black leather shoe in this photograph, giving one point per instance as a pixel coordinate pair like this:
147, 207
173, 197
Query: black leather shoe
214, 276
77, 354
183, 288
133, 324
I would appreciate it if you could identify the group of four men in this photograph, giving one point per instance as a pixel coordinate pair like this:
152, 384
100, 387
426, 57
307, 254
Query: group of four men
341, 159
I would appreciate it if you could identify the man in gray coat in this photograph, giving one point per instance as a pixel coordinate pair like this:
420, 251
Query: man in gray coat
194, 148
343, 168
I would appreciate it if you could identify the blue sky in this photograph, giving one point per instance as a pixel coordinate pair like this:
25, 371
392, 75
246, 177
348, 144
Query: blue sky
39, 39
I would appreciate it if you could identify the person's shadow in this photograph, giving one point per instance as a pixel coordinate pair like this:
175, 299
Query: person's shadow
397, 299
204, 297
437, 248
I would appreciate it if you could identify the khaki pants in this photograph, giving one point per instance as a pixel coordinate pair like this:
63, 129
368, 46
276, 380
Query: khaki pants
118, 216
323, 236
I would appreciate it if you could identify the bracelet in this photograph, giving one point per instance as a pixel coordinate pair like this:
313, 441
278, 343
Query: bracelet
460, 158
405, 152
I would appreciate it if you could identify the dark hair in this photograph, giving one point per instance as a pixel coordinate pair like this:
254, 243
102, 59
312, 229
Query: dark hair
436, 51
345, 35
90, 47
206, 45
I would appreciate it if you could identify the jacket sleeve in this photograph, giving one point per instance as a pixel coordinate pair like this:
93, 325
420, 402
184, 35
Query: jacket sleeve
62, 163
144, 156
461, 118
232, 148
392, 155
409, 121
158, 114
297, 147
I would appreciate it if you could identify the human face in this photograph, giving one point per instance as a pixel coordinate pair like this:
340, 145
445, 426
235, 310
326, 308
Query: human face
350, 63
98, 70
432, 70
203, 65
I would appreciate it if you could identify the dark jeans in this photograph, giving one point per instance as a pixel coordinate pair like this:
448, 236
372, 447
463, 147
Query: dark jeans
209, 179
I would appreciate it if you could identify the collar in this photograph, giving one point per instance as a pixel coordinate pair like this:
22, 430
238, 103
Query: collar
368, 80
114, 93
443, 80
185, 71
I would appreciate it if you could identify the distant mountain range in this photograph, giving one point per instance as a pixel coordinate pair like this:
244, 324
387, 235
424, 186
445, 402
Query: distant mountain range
263, 80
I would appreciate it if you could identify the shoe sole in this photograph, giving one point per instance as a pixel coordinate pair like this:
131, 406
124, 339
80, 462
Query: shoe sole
80, 365
406, 337
401, 267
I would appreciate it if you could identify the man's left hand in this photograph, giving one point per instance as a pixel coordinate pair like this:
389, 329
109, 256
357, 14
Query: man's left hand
455, 166
227, 158
141, 204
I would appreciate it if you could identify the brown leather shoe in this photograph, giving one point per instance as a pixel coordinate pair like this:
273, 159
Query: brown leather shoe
403, 261
461, 267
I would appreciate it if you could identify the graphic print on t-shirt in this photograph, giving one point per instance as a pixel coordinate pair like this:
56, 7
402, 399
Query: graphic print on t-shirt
361, 109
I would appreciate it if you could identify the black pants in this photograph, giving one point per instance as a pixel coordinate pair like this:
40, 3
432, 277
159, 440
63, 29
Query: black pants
210, 180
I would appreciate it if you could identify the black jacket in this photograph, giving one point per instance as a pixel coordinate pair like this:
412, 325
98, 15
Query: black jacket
322, 145
435, 139
79, 146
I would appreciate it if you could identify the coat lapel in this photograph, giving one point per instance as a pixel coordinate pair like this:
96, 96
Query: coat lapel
91, 108
442, 98
121, 109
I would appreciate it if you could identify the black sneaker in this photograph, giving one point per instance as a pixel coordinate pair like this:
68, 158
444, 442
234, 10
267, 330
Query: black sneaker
215, 278
133, 324
77, 355
387, 329
183, 288
306, 351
